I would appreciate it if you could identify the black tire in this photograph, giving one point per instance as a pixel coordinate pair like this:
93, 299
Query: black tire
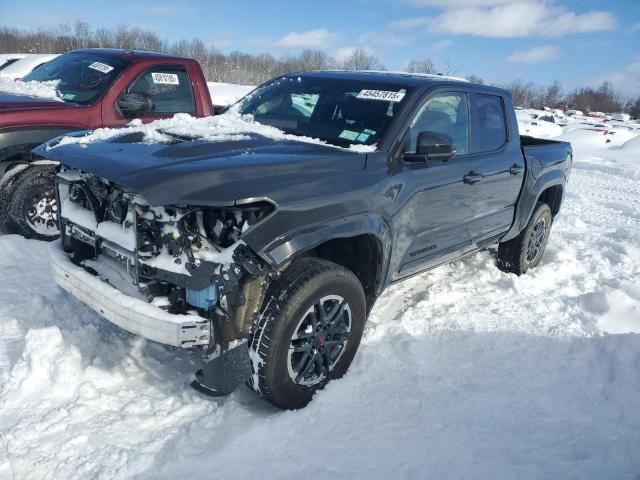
515, 255
7, 183
301, 287
34, 182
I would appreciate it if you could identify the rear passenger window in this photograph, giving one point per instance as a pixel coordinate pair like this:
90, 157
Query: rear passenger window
489, 129
170, 90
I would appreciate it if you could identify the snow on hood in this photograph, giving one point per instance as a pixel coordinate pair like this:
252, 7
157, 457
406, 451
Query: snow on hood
47, 90
230, 126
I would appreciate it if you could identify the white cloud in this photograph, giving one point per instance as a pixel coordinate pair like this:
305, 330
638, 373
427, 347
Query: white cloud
458, 3
159, 10
386, 38
439, 46
636, 27
501, 20
626, 80
410, 23
318, 38
545, 53
342, 53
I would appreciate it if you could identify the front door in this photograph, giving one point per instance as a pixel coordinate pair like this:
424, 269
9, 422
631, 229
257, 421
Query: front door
435, 203
168, 89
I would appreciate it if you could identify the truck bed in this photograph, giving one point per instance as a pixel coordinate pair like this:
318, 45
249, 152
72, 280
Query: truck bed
545, 153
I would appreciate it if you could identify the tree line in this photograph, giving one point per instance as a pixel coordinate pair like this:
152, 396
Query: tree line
253, 69
234, 67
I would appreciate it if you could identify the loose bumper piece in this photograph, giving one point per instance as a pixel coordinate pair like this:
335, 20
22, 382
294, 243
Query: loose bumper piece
131, 314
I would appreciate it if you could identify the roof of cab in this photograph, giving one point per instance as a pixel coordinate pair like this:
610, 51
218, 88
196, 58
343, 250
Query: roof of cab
127, 54
404, 79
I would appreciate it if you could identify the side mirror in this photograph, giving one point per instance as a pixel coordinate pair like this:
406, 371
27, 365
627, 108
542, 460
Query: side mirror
133, 104
432, 146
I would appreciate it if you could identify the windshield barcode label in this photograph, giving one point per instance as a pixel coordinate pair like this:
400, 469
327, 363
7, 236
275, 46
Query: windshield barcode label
165, 78
101, 67
381, 95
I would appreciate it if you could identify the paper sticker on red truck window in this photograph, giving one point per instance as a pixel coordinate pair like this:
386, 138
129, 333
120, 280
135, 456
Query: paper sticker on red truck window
165, 78
101, 67
381, 95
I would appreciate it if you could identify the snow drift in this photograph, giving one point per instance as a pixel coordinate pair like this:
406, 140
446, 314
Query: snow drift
224, 94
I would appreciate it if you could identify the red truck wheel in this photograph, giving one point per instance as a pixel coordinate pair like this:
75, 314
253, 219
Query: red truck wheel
32, 203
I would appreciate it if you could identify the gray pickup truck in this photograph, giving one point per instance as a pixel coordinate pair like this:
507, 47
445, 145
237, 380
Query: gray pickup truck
267, 249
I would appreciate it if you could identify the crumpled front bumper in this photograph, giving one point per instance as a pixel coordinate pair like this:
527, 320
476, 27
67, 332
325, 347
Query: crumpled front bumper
131, 314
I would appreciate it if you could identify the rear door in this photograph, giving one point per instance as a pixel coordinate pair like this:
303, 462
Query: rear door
431, 225
500, 163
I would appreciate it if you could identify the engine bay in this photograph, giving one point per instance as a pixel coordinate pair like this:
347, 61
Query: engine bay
180, 258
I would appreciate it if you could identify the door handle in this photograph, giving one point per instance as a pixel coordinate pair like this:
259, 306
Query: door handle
516, 169
471, 178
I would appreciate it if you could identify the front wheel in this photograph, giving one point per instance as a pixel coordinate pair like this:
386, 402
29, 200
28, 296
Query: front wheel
526, 250
309, 331
32, 203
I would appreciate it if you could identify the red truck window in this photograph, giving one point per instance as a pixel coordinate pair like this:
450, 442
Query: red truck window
169, 88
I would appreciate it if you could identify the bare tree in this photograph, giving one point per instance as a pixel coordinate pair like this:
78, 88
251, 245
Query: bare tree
552, 96
239, 67
361, 60
475, 79
421, 66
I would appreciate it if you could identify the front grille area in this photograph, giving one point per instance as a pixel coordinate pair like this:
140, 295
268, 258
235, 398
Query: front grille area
105, 232
181, 259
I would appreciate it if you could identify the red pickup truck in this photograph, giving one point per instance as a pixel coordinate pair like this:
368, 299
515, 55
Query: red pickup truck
95, 88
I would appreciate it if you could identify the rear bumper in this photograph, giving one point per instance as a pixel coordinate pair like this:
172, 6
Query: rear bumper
131, 314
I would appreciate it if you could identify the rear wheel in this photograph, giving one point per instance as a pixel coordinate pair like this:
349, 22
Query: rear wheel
32, 206
526, 250
309, 331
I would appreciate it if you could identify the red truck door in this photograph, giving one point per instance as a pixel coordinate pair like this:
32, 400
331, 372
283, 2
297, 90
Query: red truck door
172, 87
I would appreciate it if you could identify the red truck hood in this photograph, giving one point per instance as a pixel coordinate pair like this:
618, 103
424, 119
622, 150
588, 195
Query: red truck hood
11, 101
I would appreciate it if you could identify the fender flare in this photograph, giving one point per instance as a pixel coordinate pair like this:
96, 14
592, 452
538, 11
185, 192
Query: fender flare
16, 143
529, 198
284, 249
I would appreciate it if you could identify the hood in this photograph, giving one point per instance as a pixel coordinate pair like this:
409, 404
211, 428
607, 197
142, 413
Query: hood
13, 101
197, 172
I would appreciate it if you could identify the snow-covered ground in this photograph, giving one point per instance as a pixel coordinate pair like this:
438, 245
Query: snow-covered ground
464, 372
223, 94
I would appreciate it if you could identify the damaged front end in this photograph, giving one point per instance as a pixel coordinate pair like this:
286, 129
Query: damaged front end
186, 261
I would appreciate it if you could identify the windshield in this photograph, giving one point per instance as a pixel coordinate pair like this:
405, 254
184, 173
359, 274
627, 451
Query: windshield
340, 111
83, 77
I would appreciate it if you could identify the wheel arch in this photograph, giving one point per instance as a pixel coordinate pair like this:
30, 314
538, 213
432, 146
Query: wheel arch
361, 244
548, 188
552, 196
16, 143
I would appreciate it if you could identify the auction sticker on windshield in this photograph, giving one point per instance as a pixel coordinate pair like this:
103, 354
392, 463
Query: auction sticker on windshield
165, 78
101, 67
381, 95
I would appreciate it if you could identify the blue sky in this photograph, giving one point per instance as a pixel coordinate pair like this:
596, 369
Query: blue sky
579, 42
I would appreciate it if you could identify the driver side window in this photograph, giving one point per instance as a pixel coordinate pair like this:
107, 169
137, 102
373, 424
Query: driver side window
446, 114
169, 89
